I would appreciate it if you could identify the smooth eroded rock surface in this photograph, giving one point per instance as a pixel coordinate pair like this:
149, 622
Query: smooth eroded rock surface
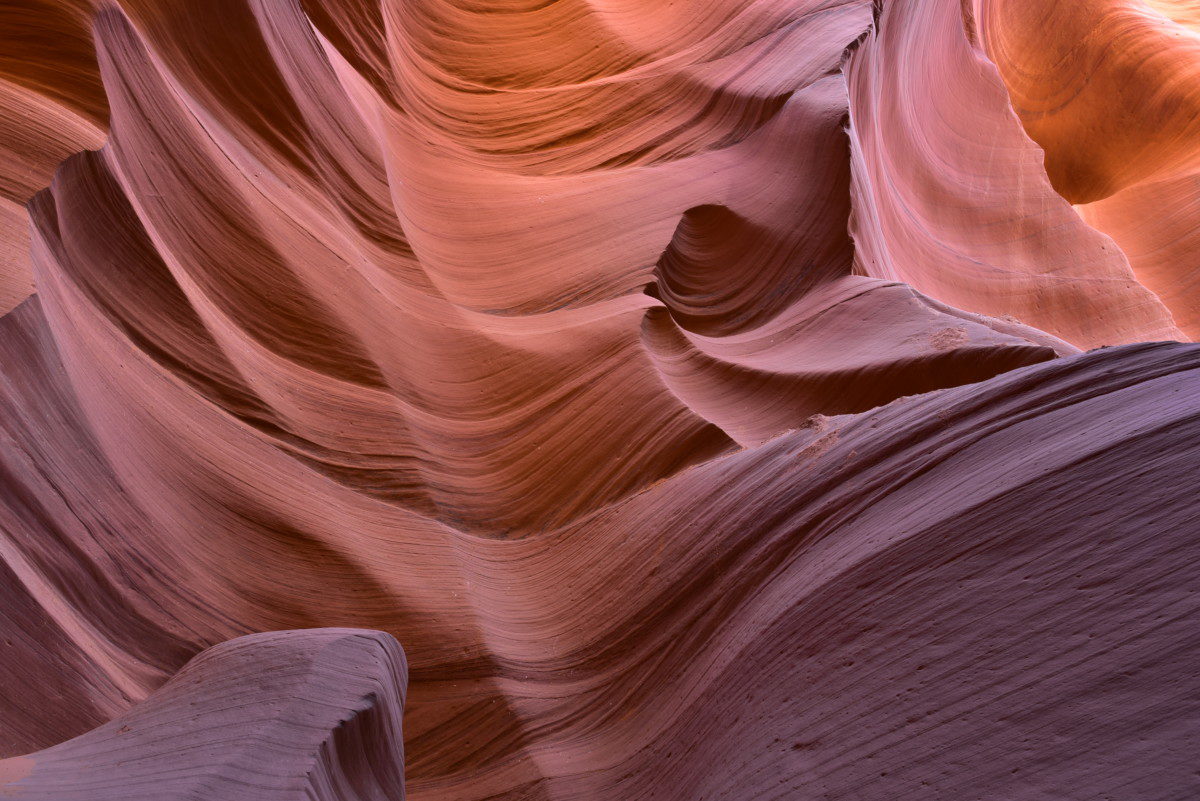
699, 390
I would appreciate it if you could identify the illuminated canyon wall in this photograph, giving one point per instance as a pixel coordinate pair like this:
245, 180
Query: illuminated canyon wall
599, 399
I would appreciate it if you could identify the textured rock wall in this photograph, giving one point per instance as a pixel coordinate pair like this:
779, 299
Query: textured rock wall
697, 390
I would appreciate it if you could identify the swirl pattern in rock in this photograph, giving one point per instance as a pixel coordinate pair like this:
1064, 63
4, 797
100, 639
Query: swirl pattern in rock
694, 388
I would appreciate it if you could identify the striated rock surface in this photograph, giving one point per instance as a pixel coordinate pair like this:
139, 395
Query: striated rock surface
311, 714
51, 105
952, 197
1111, 91
694, 389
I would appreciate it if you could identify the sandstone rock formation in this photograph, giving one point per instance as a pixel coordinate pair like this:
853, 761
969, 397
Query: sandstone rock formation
295, 714
696, 389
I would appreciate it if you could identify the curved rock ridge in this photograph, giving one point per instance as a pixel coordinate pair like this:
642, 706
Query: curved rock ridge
694, 387
415, 315
312, 714
51, 105
983, 589
850, 345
